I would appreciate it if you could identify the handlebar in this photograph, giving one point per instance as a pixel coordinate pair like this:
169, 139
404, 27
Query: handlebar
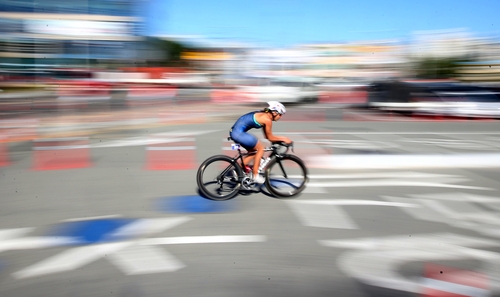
284, 144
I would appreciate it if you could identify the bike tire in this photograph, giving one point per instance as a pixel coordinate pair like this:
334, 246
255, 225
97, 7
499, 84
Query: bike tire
287, 183
208, 172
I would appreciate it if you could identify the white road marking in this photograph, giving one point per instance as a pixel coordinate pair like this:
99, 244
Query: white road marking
354, 202
136, 141
61, 147
456, 209
376, 261
395, 183
13, 233
330, 216
70, 259
157, 138
421, 213
492, 201
315, 190
92, 218
448, 143
171, 148
455, 288
397, 174
393, 133
145, 227
183, 133
76, 257
26, 243
140, 259
405, 242
329, 213
138, 255
304, 145
486, 160
354, 144
204, 239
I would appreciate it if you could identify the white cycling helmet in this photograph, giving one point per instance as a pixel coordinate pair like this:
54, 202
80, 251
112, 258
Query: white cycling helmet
276, 106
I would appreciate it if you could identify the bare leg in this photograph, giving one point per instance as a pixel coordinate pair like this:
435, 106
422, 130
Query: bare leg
259, 147
248, 159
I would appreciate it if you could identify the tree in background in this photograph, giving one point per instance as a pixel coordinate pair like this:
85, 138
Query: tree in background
169, 52
437, 68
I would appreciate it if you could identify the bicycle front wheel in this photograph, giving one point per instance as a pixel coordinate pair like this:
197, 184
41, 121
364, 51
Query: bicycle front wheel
286, 176
218, 178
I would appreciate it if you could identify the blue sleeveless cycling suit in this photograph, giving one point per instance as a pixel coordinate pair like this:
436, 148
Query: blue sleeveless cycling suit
239, 130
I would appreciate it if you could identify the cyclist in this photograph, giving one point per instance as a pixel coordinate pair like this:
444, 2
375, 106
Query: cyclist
256, 120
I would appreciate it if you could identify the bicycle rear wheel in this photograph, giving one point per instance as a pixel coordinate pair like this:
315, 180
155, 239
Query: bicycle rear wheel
218, 178
286, 176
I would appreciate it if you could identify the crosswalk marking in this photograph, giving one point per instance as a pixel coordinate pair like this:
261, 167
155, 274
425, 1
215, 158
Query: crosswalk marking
330, 216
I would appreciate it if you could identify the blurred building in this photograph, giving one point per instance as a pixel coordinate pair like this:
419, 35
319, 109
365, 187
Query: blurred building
68, 33
480, 56
368, 60
484, 65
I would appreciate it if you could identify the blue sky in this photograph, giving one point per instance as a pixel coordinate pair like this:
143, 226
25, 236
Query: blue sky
284, 23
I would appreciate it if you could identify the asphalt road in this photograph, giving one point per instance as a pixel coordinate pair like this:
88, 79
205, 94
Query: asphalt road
392, 209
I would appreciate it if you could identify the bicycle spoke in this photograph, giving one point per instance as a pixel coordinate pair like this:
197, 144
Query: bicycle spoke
218, 179
286, 177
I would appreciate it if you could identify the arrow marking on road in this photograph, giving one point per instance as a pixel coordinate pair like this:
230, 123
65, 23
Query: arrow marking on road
132, 257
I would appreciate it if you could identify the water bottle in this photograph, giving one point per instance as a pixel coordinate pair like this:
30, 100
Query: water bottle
263, 163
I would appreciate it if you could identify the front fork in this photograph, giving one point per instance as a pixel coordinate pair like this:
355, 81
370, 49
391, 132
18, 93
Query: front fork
278, 160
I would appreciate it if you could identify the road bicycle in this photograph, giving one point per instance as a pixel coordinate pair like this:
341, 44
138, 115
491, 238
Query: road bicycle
222, 177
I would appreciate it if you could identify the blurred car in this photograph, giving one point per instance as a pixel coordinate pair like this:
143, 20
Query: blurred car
435, 98
286, 90
336, 84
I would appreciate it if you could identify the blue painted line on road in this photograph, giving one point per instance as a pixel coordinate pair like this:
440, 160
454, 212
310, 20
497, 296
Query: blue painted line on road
91, 231
193, 204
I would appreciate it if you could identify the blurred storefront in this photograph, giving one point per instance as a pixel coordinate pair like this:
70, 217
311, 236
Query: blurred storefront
88, 33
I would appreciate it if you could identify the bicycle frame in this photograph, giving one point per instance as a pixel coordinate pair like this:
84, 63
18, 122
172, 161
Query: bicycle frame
240, 156
235, 160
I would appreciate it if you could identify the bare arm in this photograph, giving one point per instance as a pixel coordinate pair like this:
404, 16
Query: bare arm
268, 133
